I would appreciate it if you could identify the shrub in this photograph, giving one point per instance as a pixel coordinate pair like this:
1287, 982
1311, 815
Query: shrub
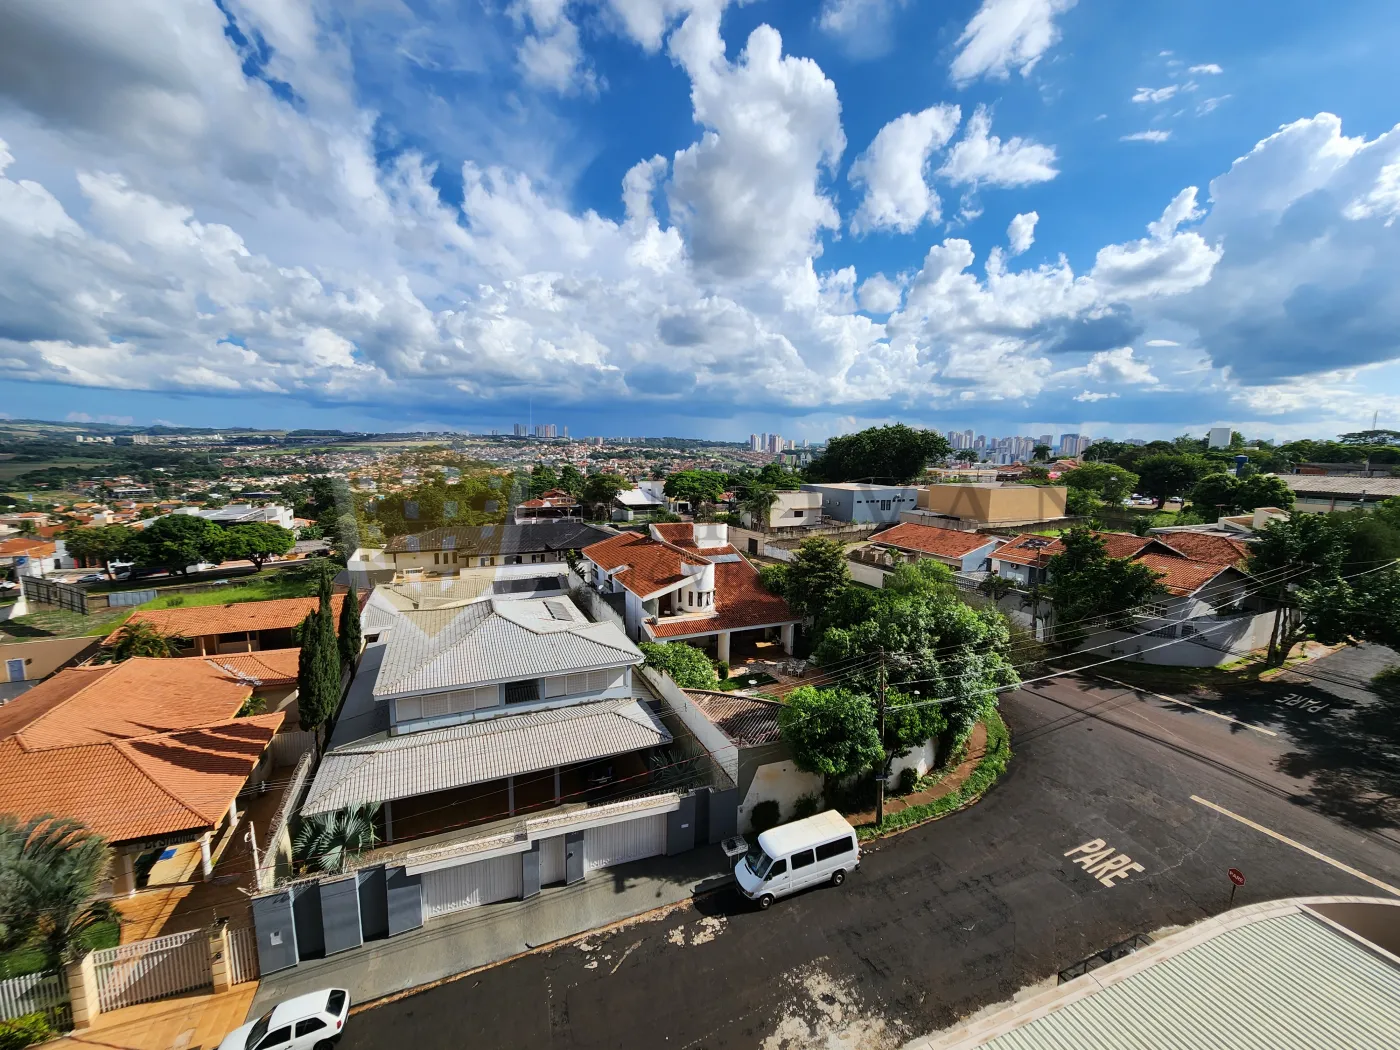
722, 670
174, 600
765, 815
908, 777
19, 1032
806, 806
688, 667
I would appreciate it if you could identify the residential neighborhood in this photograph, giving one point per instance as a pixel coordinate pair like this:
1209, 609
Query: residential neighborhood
699, 524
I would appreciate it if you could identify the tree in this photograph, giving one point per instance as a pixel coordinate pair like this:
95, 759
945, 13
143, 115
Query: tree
817, 573
51, 869
329, 842
757, 504
349, 635
542, 479
830, 732
570, 480
1304, 552
695, 486
257, 542
599, 490
101, 544
688, 666
910, 722
774, 579
894, 454
776, 476
1104, 481
1345, 611
141, 638
1092, 591
1265, 490
1164, 475
1216, 494
178, 541
1041, 454
318, 664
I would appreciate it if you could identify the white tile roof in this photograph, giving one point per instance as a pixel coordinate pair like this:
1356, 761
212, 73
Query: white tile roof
380, 769
495, 641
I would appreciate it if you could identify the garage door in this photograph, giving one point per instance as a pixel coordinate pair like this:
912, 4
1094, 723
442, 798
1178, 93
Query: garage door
468, 885
552, 860
624, 841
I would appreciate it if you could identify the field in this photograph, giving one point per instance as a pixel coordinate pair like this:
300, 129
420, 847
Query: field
9, 469
46, 622
265, 588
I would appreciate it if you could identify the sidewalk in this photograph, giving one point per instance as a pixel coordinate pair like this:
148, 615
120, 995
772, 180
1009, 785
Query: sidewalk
468, 940
187, 1022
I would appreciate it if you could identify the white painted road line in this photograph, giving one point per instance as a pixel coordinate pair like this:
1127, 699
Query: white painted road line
1299, 846
1193, 707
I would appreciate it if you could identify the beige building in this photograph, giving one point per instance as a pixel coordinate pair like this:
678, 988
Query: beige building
987, 504
791, 510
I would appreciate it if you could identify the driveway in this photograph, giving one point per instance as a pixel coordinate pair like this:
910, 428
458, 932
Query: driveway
1121, 813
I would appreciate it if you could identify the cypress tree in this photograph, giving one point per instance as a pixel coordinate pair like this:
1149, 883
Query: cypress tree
310, 692
327, 651
350, 628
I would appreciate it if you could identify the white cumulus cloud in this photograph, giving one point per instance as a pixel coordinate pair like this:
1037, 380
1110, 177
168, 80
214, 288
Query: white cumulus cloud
1007, 35
981, 158
894, 171
1161, 94
1206, 69
1155, 135
1020, 232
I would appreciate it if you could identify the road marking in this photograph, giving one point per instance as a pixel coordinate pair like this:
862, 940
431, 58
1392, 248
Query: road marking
1302, 703
1299, 846
1099, 859
1193, 707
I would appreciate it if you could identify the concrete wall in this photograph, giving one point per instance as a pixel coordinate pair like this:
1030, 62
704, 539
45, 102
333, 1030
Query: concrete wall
1217, 641
865, 503
920, 760
780, 781
724, 751
43, 656
992, 503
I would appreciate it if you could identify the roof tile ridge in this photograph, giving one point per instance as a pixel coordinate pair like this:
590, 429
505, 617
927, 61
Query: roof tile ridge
95, 679
134, 760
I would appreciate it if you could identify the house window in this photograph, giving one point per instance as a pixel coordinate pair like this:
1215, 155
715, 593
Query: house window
408, 708
525, 692
1153, 609
435, 559
690, 598
483, 561
556, 686
884, 504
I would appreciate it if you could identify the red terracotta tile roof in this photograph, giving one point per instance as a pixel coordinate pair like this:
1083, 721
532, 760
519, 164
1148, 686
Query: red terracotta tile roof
651, 566
278, 614
1182, 576
681, 533
1202, 546
268, 666
95, 705
1038, 550
142, 787
740, 602
31, 545
747, 721
944, 543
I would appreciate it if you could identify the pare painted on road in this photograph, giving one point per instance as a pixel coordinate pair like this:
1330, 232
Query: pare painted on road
1103, 862
1302, 703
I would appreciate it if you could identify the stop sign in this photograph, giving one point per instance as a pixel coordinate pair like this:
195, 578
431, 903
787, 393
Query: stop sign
1236, 876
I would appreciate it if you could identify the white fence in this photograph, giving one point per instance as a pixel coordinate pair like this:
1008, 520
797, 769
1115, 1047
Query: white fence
147, 970
287, 748
45, 993
243, 954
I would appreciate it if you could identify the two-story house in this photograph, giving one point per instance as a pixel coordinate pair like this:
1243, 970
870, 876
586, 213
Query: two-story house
685, 582
507, 746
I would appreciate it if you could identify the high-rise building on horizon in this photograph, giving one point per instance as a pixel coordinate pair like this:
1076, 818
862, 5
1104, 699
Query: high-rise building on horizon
753, 442
520, 430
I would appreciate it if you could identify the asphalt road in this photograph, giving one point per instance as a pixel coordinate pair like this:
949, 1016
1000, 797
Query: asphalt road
963, 912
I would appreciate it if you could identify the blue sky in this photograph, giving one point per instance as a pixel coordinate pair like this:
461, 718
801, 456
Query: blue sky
701, 216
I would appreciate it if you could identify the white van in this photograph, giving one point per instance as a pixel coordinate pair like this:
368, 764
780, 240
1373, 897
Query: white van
793, 856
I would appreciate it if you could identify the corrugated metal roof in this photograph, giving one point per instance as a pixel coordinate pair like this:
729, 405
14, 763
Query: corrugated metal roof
495, 641
1287, 982
438, 760
1375, 488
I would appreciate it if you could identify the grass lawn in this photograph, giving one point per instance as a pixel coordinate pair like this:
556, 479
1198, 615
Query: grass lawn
46, 622
23, 961
741, 681
267, 587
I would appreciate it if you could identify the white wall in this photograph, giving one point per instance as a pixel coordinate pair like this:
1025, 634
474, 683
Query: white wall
782, 782
724, 751
920, 759
1220, 642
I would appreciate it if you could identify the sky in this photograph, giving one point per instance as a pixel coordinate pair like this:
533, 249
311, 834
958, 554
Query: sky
702, 217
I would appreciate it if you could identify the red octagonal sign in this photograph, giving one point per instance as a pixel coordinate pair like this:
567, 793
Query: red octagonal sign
1236, 876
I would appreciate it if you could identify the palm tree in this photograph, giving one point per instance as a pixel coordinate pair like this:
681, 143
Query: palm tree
1041, 454
757, 502
328, 842
142, 638
50, 872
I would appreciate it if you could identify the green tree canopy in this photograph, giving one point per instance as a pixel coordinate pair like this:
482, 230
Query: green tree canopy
601, 489
1093, 591
895, 454
1041, 454
257, 542
1165, 475
757, 506
688, 666
141, 638
542, 479
329, 842
1106, 482
51, 869
776, 476
830, 732
817, 574
349, 636
178, 541
571, 480
102, 544
695, 486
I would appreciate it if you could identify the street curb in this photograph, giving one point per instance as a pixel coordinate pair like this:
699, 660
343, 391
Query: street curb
651, 915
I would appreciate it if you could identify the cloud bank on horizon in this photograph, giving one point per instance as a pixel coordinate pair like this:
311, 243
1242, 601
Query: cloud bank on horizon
422, 219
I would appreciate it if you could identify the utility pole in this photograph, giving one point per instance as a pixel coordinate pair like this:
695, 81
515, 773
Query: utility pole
884, 762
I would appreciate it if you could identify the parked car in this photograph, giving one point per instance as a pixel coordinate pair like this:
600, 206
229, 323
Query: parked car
92, 577
314, 1021
793, 856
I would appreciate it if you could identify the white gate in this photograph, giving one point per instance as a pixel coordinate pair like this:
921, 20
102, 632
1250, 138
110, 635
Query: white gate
624, 841
243, 955
469, 885
552, 860
45, 993
145, 970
